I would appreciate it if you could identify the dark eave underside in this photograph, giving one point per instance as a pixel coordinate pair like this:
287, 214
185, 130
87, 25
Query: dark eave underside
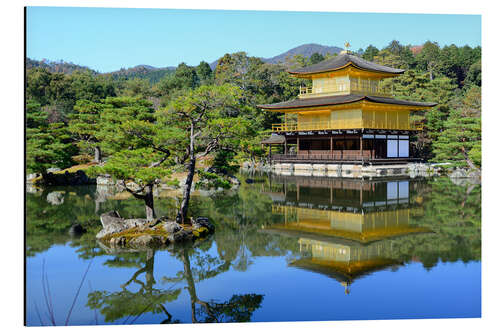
341, 61
343, 99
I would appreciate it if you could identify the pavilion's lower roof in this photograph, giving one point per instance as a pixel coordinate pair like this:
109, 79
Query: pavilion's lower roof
342, 99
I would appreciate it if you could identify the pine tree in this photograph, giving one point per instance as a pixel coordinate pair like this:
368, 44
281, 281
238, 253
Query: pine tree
460, 142
84, 124
138, 145
207, 122
47, 145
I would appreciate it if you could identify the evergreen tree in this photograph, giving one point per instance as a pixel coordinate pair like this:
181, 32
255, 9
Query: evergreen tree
370, 52
315, 58
139, 147
206, 124
428, 59
461, 134
205, 74
185, 77
84, 124
460, 142
47, 145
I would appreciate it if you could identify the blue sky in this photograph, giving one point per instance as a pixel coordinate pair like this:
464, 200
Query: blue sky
107, 39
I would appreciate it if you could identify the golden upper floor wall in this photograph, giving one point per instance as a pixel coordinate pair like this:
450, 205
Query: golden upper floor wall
321, 250
350, 81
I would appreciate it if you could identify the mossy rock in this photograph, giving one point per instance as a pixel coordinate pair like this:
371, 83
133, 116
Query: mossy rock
156, 234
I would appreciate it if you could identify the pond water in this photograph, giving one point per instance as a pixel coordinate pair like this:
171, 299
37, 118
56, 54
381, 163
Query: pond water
285, 249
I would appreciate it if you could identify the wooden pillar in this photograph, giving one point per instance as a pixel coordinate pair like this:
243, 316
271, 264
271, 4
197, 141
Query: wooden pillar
331, 146
361, 146
286, 152
269, 154
298, 144
361, 195
372, 147
342, 150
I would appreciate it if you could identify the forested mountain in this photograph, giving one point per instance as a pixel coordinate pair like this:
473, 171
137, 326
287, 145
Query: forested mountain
152, 74
56, 66
306, 50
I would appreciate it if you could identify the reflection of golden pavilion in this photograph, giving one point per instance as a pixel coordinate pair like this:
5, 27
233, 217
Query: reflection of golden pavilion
361, 211
344, 262
344, 226
361, 227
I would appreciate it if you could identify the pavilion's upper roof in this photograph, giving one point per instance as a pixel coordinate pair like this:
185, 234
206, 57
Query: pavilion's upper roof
344, 272
342, 99
342, 61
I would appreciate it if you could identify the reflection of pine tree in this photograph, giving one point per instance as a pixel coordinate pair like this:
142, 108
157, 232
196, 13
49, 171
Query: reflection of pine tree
239, 308
131, 305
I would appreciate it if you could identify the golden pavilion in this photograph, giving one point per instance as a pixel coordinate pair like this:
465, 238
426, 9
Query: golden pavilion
346, 116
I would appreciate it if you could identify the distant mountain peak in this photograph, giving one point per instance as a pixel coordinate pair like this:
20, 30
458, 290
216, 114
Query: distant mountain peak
305, 50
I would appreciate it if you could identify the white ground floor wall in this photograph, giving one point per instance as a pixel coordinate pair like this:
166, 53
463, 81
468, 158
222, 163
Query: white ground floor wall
353, 170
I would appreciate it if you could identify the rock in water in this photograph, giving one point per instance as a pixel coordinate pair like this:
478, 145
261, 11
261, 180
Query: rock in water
140, 233
105, 180
203, 222
147, 241
171, 227
113, 223
180, 236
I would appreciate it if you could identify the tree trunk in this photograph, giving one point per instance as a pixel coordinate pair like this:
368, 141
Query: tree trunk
149, 202
188, 275
150, 261
182, 213
97, 154
97, 206
467, 159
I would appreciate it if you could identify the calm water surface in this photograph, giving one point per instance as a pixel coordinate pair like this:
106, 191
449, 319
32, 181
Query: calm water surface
285, 249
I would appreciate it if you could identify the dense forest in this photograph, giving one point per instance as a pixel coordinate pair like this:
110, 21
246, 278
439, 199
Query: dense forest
74, 116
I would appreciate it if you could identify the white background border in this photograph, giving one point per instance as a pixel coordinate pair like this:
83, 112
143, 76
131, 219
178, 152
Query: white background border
12, 90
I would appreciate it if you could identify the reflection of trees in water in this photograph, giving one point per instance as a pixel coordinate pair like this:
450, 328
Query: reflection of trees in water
197, 266
238, 218
239, 308
454, 214
48, 224
129, 304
